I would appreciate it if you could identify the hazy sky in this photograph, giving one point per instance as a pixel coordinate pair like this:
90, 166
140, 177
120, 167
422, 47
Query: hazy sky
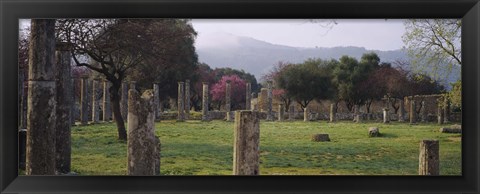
377, 34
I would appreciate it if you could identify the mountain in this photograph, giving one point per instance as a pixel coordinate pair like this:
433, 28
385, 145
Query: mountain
258, 57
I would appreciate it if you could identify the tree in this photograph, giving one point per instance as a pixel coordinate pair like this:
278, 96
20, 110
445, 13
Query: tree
273, 75
220, 72
349, 75
434, 43
118, 46
202, 74
237, 95
307, 81
455, 95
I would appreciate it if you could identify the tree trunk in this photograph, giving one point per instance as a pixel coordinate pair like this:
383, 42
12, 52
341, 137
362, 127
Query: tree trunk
115, 100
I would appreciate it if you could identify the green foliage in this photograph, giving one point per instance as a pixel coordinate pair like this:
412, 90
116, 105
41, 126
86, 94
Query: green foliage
206, 148
455, 95
307, 81
434, 45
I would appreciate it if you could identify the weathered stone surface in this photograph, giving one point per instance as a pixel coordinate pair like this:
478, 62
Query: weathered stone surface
439, 115
269, 101
187, 99
95, 101
423, 112
22, 103
291, 112
446, 114
413, 113
401, 111
332, 113
156, 101
356, 111
142, 152
133, 85
246, 147
229, 116
320, 137
451, 129
84, 101
180, 101
386, 115
306, 112
124, 100
205, 99
107, 110
248, 96
429, 163
41, 103
281, 112
64, 100
373, 132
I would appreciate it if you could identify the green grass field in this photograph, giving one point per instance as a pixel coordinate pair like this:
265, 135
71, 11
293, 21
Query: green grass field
206, 148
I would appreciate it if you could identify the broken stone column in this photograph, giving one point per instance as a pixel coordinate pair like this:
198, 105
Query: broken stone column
446, 114
187, 99
281, 111
413, 115
156, 101
84, 101
107, 111
228, 105
95, 101
332, 113
355, 112
246, 147
124, 100
64, 100
440, 114
205, 102
423, 112
180, 101
291, 112
429, 163
305, 114
41, 111
269, 101
142, 144
401, 112
386, 115
248, 96
132, 85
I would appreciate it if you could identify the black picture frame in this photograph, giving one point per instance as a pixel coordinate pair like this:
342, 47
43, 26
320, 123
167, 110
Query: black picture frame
11, 11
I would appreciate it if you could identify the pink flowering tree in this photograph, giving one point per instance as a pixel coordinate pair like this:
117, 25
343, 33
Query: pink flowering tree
282, 95
237, 91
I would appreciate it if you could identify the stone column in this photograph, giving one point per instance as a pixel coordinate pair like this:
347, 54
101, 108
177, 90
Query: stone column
156, 101
22, 123
423, 112
332, 113
446, 114
180, 101
305, 114
440, 114
84, 101
205, 102
355, 113
187, 99
41, 111
386, 115
95, 101
132, 85
269, 101
246, 150
281, 111
107, 111
124, 100
255, 106
73, 108
64, 105
142, 143
413, 115
228, 104
401, 112
429, 163
248, 96
291, 112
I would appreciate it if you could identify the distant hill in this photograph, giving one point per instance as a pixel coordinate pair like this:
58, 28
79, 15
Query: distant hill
258, 57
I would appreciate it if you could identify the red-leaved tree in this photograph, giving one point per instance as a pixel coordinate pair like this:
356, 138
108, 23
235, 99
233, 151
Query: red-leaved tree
237, 91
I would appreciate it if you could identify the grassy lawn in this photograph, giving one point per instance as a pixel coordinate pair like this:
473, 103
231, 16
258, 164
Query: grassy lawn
206, 148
